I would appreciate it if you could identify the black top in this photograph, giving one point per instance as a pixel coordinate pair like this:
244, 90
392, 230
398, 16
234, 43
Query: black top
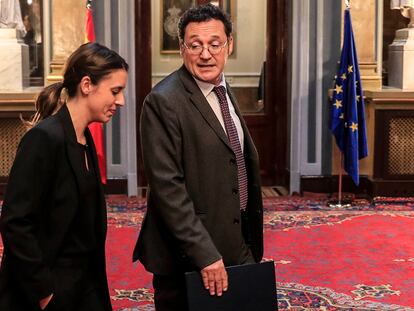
82, 236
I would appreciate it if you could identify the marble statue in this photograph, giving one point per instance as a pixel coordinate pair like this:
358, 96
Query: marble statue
407, 9
401, 51
10, 15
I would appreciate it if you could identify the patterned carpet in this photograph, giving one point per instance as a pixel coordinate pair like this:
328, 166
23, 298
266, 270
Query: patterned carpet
358, 258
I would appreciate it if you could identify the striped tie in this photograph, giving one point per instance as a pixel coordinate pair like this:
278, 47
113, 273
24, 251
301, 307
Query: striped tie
234, 143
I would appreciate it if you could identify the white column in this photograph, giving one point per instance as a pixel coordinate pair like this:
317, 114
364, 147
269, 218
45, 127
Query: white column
300, 92
126, 43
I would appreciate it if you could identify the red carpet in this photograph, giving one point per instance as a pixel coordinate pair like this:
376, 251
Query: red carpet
358, 259
342, 260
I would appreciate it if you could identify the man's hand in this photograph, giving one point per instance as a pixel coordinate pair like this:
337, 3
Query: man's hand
215, 278
45, 301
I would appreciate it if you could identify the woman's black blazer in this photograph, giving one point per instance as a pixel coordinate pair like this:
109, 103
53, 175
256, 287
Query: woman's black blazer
41, 200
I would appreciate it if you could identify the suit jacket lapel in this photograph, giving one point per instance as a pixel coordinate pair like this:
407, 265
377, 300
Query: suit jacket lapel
236, 108
72, 148
200, 102
101, 197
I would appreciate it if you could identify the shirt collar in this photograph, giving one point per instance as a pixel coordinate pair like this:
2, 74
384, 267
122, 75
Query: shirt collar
206, 88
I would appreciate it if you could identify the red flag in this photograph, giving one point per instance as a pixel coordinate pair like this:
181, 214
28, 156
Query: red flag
96, 128
90, 28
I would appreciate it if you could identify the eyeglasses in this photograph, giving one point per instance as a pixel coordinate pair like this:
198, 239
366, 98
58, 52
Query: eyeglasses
197, 49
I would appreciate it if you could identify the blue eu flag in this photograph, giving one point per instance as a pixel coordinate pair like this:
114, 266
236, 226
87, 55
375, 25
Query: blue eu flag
348, 115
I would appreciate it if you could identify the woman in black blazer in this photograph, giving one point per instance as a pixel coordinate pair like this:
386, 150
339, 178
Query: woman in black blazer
53, 221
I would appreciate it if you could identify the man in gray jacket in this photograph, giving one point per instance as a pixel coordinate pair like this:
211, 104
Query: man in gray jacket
204, 205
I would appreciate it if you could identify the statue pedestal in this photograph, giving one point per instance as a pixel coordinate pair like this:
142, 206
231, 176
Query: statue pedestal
14, 62
401, 60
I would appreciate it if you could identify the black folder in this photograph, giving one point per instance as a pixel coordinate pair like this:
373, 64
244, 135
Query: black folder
252, 287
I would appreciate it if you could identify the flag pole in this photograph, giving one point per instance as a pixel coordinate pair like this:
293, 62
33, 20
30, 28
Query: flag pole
340, 202
340, 179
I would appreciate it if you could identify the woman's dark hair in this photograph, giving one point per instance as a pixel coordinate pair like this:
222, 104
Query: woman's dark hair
90, 59
204, 13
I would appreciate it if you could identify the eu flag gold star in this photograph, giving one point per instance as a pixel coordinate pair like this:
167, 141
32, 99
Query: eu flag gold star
354, 126
358, 97
342, 116
350, 68
343, 76
338, 89
338, 104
